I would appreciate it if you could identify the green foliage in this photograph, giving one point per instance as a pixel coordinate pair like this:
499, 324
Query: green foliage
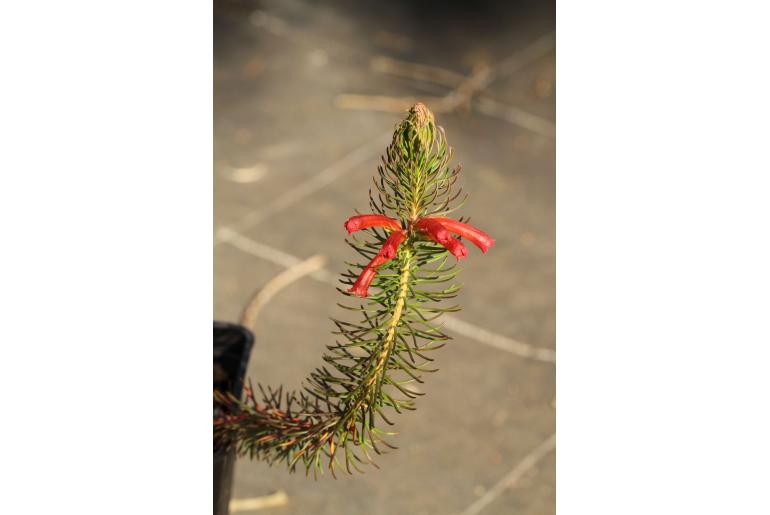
336, 418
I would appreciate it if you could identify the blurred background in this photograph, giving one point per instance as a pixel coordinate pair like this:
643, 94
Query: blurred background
306, 96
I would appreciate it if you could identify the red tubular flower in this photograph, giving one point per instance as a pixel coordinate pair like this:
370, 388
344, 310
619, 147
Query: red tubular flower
356, 223
456, 247
361, 287
387, 252
438, 233
478, 237
389, 249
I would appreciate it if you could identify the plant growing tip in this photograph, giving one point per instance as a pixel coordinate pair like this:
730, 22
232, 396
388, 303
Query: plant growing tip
407, 238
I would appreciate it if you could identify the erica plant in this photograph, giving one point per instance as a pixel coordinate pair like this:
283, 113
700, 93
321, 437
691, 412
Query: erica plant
409, 246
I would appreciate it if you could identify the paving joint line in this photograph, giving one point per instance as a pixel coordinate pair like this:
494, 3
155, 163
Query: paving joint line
342, 166
511, 478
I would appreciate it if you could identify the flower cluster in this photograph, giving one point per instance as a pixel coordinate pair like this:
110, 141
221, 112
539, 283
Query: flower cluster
434, 228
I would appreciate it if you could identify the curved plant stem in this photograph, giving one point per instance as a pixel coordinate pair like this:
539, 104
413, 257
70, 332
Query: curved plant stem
337, 412
390, 337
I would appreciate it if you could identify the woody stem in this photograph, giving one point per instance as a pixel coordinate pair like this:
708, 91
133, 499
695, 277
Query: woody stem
390, 336
373, 382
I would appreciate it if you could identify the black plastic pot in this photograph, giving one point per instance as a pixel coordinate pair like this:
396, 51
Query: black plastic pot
232, 347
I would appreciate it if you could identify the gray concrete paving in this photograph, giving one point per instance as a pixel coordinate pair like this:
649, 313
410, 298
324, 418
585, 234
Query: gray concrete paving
279, 65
